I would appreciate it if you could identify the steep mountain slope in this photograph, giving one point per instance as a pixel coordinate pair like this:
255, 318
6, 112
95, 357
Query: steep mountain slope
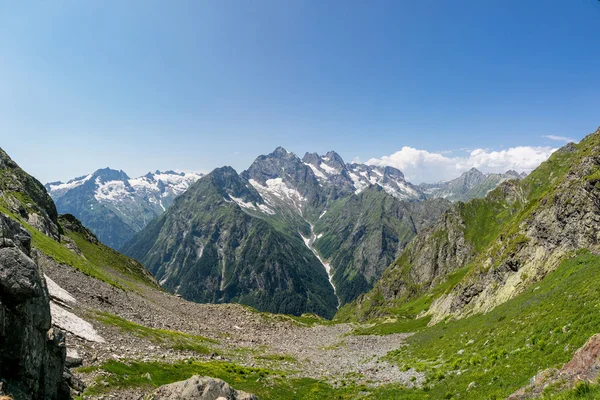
472, 184
115, 206
499, 245
214, 245
362, 235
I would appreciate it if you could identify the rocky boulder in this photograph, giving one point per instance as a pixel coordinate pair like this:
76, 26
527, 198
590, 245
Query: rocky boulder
200, 388
32, 354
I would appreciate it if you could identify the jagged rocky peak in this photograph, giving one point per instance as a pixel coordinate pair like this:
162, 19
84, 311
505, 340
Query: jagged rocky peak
232, 186
282, 174
334, 160
107, 174
392, 172
471, 177
311, 158
325, 166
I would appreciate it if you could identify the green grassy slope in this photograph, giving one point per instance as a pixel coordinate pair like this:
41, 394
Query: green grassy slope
479, 226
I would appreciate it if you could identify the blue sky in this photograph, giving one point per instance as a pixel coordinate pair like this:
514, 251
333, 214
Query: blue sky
192, 85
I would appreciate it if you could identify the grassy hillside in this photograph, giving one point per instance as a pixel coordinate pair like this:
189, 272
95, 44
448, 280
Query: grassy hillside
96, 260
472, 237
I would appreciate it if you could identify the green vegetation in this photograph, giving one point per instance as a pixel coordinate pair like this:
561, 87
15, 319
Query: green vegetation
163, 337
277, 357
306, 320
361, 235
266, 384
581, 391
503, 349
99, 261
246, 267
106, 258
404, 310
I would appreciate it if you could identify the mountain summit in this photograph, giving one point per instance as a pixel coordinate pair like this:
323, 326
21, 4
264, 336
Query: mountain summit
115, 206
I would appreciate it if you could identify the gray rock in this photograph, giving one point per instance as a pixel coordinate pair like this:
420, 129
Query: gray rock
73, 358
32, 354
200, 388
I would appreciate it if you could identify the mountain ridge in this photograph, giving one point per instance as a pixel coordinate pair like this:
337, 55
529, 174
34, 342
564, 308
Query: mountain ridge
116, 206
469, 185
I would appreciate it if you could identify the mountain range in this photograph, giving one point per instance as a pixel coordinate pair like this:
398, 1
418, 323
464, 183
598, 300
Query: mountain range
328, 229
115, 206
287, 235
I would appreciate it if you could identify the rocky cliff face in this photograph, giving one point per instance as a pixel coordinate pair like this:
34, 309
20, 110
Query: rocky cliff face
32, 354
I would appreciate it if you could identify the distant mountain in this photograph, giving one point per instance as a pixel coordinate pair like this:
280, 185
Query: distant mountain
215, 245
287, 234
472, 184
115, 206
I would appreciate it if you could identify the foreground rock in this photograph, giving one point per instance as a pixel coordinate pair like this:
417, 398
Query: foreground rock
584, 366
200, 388
32, 354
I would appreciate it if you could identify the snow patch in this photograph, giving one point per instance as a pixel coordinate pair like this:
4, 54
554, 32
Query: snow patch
113, 191
70, 322
73, 183
309, 242
264, 208
278, 189
329, 170
318, 173
242, 203
59, 293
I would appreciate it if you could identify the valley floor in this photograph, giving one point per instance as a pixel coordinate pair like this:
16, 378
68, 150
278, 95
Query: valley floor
150, 326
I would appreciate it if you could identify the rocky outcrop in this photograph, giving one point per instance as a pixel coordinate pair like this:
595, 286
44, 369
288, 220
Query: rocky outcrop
200, 388
32, 354
434, 253
26, 197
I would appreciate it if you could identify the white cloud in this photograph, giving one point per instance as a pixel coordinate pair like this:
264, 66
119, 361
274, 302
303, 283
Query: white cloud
559, 138
424, 166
